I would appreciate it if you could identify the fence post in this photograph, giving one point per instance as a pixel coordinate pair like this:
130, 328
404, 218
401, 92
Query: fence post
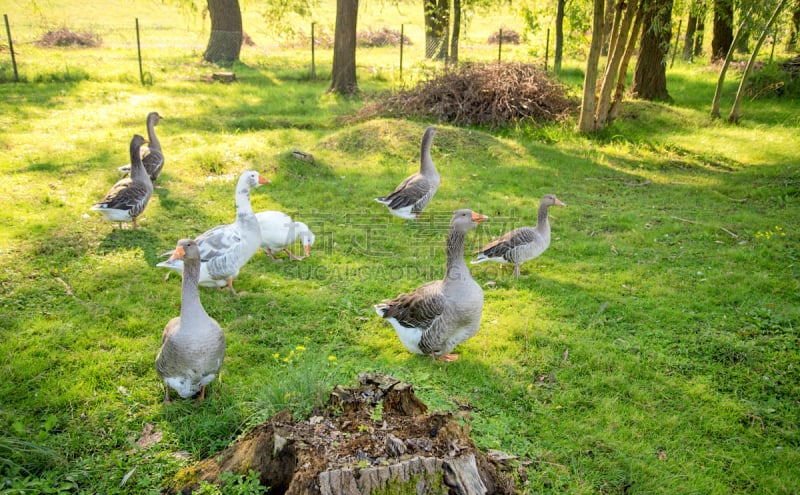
11, 48
402, 37
546, 49
313, 62
499, 44
139, 49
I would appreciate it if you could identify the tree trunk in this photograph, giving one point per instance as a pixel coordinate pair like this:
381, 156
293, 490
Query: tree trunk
701, 30
456, 31
437, 20
559, 48
723, 29
608, 25
794, 28
725, 64
734, 115
343, 75
225, 41
650, 76
688, 40
619, 43
586, 119
619, 91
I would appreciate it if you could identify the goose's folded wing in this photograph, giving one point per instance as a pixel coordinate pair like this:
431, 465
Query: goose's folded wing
508, 242
409, 192
417, 309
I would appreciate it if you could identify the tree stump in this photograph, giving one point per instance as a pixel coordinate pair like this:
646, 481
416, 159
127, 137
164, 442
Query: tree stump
226, 77
372, 439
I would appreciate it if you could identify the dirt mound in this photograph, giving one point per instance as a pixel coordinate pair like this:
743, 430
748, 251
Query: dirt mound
65, 37
494, 95
508, 36
368, 439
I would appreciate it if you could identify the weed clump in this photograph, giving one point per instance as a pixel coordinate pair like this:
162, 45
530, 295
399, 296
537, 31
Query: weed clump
381, 37
494, 95
507, 36
66, 37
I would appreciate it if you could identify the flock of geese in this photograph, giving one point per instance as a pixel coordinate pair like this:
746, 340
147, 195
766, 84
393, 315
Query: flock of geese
430, 320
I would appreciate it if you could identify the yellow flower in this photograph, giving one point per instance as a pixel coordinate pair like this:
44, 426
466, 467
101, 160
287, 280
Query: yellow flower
276, 355
301, 348
331, 358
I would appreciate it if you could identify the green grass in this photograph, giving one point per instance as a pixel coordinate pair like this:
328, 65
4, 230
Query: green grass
652, 349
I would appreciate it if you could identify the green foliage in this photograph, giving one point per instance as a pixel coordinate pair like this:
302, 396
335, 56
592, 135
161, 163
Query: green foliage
234, 484
773, 81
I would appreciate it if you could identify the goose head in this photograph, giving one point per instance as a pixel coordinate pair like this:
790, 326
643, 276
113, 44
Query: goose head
187, 250
466, 220
306, 237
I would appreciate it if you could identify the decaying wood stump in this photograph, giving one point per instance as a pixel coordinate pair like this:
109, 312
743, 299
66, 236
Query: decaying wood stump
371, 439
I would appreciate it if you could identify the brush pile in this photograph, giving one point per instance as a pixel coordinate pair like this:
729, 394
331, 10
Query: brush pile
494, 95
65, 37
507, 36
381, 37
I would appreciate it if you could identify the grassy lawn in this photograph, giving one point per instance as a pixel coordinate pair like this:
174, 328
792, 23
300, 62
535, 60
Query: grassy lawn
652, 349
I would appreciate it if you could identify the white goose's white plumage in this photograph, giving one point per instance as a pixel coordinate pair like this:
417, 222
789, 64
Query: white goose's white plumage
439, 315
412, 195
128, 198
279, 231
521, 244
152, 155
192, 344
225, 249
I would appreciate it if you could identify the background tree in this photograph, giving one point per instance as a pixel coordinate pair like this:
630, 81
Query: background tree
343, 74
696, 13
456, 31
225, 41
650, 75
437, 22
559, 44
619, 91
589, 100
725, 64
794, 28
624, 14
723, 29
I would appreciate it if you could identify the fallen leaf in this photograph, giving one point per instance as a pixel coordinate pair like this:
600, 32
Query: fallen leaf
149, 436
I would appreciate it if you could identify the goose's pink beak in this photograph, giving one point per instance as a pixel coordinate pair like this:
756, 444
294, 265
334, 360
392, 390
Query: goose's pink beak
178, 254
478, 218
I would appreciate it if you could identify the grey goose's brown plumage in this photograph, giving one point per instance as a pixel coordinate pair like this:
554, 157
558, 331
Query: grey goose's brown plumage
192, 344
152, 155
412, 195
439, 315
524, 243
128, 198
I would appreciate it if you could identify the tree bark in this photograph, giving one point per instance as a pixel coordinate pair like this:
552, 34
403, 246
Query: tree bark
437, 20
619, 91
343, 75
688, 39
559, 48
225, 41
456, 31
700, 36
619, 42
586, 119
725, 64
794, 28
734, 115
650, 76
723, 29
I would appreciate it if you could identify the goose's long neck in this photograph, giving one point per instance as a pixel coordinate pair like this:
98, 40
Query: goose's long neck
138, 172
190, 298
151, 134
456, 267
542, 223
426, 166
244, 210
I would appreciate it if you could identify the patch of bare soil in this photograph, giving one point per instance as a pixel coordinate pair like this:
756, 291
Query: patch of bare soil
370, 439
494, 95
65, 37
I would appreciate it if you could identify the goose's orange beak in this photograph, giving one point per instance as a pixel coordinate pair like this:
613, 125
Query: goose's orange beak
263, 180
178, 254
478, 218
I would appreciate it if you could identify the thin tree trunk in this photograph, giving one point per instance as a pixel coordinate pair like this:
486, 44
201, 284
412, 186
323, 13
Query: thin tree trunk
456, 31
343, 74
688, 40
734, 115
619, 43
794, 28
437, 19
619, 91
586, 120
725, 64
559, 48
700, 36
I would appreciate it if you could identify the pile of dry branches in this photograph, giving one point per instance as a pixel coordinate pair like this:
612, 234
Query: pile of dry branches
381, 37
495, 95
66, 37
508, 36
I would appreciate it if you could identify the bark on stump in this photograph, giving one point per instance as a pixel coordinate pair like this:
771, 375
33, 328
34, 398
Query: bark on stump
369, 440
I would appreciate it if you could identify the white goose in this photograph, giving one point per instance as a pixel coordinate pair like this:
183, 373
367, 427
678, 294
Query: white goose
152, 155
279, 231
128, 198
192, 344
225, 249
412, 195
522, 244
439, 315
